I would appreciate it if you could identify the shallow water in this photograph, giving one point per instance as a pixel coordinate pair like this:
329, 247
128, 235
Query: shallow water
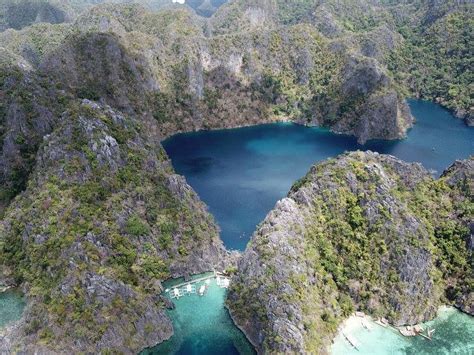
202, 326
241, 173
12, 304
454, 334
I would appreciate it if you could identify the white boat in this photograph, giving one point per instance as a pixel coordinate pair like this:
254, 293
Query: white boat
175, 293
190, 289
202, 290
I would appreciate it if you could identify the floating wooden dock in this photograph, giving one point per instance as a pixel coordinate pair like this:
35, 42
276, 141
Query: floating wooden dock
183, 289
411, 331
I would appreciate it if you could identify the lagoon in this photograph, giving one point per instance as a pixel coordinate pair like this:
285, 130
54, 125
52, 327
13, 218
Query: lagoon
241, 173
453, 335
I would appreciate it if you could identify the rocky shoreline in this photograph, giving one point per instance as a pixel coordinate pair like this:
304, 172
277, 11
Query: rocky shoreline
93, 215
285, 298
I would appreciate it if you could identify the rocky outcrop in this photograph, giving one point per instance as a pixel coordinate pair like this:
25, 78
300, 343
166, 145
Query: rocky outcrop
360, 232
104, 219
99, 218
377, 111
172, 71
26, 115
460, 177
18, 14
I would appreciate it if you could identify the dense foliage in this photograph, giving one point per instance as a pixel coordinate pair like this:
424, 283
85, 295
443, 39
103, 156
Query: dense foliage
436, 61
360, 232
102, 203
91, 203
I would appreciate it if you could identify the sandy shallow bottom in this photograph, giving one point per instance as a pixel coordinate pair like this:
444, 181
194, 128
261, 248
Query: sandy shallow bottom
12, 304
202, 325
454, 334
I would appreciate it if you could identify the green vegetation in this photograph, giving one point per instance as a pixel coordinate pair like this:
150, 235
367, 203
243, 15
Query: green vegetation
136, 227
97, 199
98, 211
365, 225
435, 60
18, 14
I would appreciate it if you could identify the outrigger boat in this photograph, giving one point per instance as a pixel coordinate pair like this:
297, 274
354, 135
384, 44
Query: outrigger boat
202, 290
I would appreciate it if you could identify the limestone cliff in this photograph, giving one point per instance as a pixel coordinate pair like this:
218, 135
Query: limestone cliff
93, 216
360, 232
102, 221
170, 67
189, 79
18, 14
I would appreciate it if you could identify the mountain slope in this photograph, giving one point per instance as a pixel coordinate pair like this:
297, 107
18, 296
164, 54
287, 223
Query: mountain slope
163, 65
431, 57
360, 232
93, 217
102, 221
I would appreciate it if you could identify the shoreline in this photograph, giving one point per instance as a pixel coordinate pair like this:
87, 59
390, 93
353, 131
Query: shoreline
240, 328
173, 279
269, 120
354, 322
5, 288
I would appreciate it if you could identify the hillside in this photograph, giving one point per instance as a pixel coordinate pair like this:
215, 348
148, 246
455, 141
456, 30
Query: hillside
18, 14
94, 217
102, 221
163, 65
426, 45
359, 232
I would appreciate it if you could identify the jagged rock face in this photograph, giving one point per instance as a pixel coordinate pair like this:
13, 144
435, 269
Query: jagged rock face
173, 72
381, 113
104, 219
103, 213
362, 231
460, 177
98, 66
26, 115
23, 13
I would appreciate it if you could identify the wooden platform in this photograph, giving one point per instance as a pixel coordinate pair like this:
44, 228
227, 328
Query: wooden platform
181, 288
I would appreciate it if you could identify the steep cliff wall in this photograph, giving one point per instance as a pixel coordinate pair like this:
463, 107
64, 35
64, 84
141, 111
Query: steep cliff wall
360, 232
102, 221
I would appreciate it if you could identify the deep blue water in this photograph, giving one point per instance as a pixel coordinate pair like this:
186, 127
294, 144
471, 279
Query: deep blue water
241, 173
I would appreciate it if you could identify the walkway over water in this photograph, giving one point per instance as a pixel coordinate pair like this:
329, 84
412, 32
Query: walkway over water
188, 287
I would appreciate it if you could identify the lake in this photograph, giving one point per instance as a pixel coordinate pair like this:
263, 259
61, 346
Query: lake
241, 173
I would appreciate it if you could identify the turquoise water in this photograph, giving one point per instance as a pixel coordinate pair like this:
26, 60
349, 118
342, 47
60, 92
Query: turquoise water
202, 326
454, 335
241, 173
12, 304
